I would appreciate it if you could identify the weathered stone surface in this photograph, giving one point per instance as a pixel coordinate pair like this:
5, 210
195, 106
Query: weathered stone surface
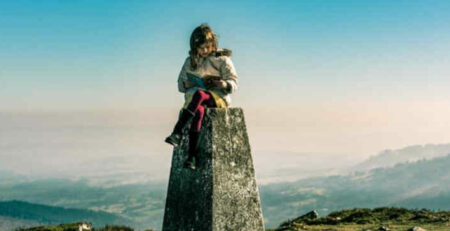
222, 193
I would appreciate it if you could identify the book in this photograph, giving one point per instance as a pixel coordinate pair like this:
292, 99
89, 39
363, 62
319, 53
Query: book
202, 81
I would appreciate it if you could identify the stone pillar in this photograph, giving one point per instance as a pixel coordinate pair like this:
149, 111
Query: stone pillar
221, 194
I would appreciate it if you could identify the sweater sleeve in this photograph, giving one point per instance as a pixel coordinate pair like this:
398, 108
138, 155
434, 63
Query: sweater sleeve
229, 74
182, 77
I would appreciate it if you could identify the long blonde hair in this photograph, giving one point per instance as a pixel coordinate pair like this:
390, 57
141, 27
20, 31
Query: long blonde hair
201, 35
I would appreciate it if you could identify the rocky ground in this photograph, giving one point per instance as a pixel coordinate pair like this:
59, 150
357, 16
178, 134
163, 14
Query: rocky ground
378, 219
375, 227
359, 219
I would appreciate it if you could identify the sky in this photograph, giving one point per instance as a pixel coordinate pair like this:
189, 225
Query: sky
317, 79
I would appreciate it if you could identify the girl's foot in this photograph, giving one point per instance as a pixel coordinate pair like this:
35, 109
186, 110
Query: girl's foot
173, 139
190, 164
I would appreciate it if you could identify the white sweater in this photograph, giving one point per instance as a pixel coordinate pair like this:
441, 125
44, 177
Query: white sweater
211, 65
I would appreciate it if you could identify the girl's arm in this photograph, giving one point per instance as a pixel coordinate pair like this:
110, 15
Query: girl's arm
229, 75
183, 83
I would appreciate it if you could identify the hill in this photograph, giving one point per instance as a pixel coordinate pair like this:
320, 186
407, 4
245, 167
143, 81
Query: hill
24, 212
141, 203
345, 220
360, 218
76, 227
423, 184
420, 184
389, 158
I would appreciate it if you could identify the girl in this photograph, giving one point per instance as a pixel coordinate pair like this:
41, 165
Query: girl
204, 59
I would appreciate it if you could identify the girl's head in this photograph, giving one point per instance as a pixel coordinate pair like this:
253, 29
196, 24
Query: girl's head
203, 42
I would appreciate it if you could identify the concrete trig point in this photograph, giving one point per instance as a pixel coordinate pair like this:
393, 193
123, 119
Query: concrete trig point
221, 194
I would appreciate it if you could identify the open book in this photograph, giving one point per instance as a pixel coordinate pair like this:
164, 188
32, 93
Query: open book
202, 81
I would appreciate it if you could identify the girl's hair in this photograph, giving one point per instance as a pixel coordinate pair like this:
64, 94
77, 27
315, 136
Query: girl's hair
204, 34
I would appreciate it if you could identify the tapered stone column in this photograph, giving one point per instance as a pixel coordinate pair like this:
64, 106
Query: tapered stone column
222, 193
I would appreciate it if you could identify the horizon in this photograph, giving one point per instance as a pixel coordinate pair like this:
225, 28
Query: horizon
126, 147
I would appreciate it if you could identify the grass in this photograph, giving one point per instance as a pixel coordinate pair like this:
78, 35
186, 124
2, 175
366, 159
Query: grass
356, 227
359, 219
371, 219
74, 227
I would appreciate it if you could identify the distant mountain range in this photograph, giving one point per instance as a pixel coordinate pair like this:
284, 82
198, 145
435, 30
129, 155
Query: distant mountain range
421, 184
412, 177
389, 158
141, 205
37, 214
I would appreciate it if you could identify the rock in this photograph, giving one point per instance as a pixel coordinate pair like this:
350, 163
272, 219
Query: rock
417, 228
305, 218
83, 226
221, 194
310, 215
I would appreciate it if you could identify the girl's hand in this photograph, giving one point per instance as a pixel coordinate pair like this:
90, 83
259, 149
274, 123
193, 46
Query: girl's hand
218, 84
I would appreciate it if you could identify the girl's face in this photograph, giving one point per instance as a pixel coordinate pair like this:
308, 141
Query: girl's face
205, 49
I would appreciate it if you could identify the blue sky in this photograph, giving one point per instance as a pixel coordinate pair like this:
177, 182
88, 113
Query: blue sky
327, 78
119, 53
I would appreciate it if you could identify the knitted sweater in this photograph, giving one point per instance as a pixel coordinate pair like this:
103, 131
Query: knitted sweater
211, 65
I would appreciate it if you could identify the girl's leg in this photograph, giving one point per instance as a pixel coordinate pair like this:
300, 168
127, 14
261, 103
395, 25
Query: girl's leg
175, 137
196, 123
192, 152
199, 99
